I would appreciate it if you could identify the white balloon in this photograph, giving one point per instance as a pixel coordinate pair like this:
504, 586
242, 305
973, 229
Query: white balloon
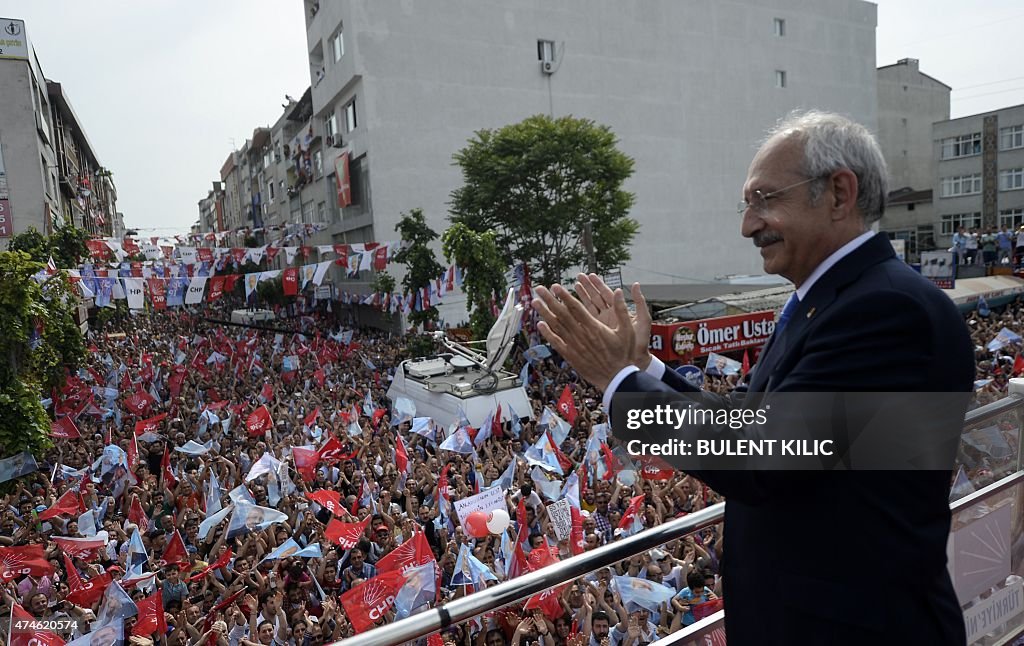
497, 521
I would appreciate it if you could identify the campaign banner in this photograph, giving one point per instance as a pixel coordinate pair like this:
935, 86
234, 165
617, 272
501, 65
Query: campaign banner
689, 339
194, 295
939, 267
486, 501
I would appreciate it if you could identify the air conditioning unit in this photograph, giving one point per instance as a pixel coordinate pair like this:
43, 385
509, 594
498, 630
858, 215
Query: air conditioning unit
548, 67
337, 142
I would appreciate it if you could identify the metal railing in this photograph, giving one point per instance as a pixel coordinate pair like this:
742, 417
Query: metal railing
509, 592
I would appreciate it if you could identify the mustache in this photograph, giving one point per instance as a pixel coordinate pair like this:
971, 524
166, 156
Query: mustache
765, 238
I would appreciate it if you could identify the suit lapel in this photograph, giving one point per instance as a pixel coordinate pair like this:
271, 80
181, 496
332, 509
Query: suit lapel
818, 299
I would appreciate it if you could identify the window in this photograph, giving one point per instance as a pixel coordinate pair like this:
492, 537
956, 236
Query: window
960, 185
1011, 179
546, 51
1011, 218
331, 125
962, 146
1011, 137
780, 27
338, 45
780, 78
307, 213
951, 223
350, 115
318, 164
270, 188
909, 237
321, 212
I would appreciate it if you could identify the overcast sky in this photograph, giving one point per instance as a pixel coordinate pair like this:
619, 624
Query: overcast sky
166, 89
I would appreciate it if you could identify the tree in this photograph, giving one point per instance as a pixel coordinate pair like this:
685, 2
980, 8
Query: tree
271, 292
536, 183
68, 245
384, 283
421, 266
40, 343
33, 243
484, 281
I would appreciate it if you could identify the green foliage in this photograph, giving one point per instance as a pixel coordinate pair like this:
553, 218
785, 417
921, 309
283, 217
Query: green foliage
536, 183
35, 244
271, 291
417, 256
106, 314
250, 241
420, 345
68, 245
484, 280
384, 283
41, 341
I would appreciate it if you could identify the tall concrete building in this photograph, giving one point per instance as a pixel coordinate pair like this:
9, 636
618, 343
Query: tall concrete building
688, 87
49, 172
979, 176
909, 103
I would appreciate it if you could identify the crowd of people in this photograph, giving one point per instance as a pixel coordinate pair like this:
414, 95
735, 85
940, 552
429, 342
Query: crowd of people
149, 473
164, 443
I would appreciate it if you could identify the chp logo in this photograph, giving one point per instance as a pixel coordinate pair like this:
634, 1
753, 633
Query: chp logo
377, 598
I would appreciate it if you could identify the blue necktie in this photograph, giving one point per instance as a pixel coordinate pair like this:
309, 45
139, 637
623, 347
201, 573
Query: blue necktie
787, 313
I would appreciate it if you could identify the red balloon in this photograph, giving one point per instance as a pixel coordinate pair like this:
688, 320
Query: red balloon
476, 524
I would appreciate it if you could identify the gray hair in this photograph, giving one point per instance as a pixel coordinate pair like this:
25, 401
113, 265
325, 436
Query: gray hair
833, 142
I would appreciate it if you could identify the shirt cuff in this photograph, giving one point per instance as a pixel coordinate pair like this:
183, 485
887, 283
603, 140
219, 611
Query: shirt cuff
656, 368
614, 384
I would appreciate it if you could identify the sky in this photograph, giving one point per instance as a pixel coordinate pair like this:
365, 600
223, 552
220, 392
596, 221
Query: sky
166, 89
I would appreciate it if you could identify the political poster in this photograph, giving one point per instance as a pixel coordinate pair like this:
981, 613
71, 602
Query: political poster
486, 501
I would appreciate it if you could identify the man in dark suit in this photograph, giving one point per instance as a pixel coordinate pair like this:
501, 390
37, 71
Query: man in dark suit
843, 557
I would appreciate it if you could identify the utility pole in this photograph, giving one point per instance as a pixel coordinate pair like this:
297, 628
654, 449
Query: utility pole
588, 246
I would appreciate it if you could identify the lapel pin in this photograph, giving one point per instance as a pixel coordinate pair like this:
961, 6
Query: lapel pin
810, 312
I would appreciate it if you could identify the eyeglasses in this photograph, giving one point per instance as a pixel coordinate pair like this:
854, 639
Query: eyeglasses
759, 201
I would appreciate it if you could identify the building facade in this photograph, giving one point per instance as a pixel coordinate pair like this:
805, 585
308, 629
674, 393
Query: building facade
689, 88
909, 103
49, 172
979, 172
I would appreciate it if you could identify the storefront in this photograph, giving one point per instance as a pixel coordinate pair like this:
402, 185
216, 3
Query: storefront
684, 341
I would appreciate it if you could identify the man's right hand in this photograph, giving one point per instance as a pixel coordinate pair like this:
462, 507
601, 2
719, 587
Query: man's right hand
599, 298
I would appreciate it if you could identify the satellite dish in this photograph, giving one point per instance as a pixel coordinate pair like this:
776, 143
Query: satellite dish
461, 362
499, 339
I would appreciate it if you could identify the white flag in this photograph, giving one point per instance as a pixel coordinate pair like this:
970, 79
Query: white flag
194, 295
321, 271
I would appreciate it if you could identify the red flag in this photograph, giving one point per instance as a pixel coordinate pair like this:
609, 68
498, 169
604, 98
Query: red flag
267, 392
139, 402
345, 535
167, 475
33, 637
435, 640
496, 424
79, 547
327, 498
576, 540
745, 368
320, 377
331, 451
547, 602
64, 428
411, 553
272, 252
223, 561
632, 512
24, 559
1018, 365
401, 454
258, 422
216, 288
702, 610
176, 380
305, 462
151, 424
310, 419
290, 281
442, 482
151, 618
68, 503
74, 580
563, 459
86, 593
175, 552
367, 603
609, 462
653, 467
137, 516
566, 406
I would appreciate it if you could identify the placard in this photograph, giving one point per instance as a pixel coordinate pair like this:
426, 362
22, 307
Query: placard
485, 501
561, 518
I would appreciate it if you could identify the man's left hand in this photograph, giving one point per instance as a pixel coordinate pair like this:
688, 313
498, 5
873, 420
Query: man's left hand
596, 351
